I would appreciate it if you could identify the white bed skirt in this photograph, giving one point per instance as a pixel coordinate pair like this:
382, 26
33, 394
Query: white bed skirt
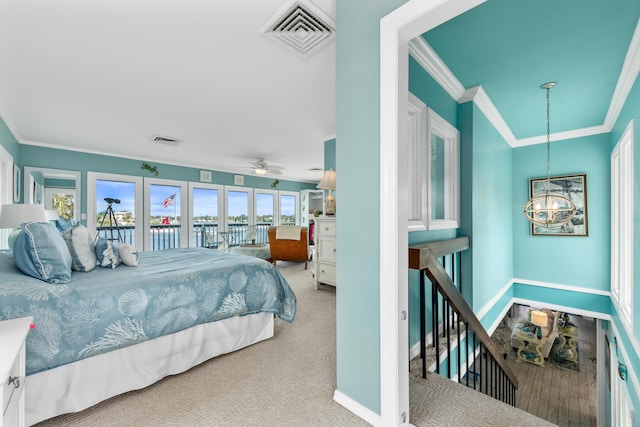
79, 385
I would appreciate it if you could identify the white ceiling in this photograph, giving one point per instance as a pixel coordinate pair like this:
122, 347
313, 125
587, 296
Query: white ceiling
105, 76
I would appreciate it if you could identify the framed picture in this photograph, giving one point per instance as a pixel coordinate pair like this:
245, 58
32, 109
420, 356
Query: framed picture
573, 187
16, 184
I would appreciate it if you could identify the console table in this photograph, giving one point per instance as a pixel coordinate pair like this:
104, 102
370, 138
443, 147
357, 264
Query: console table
569, 339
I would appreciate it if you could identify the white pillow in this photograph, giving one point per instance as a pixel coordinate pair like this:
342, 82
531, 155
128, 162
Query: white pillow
80, 244
128, 254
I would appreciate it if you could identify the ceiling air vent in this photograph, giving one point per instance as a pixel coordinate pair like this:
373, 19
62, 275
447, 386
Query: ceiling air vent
166, 140
301, 26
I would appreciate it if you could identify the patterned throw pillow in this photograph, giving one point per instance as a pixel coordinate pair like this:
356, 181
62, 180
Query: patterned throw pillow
128, 254
40, 251
107, 253
80, 244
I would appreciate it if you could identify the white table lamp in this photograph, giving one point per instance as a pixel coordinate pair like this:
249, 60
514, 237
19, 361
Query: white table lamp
328, 182
12, 216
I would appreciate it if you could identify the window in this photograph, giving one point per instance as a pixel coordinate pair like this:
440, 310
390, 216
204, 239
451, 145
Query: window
206, 203
6, 190
165, 219
434, 169
240, 213
127, 213
288, 208
622, 174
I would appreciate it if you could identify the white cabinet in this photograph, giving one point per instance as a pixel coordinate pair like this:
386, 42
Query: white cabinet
325, 251
13, 334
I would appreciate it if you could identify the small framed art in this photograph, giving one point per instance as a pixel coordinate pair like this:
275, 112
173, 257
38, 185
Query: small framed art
16, 184
206, 176
573, 187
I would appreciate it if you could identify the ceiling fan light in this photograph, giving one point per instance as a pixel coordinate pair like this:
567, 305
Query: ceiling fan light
260, 171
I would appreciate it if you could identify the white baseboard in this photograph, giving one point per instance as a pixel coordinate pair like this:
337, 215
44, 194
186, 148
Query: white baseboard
357, 408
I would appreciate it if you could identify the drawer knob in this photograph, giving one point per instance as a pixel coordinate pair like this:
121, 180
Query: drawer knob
15, 381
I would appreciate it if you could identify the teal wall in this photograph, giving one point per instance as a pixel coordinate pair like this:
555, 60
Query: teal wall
570, 260
357, 213
330, 155
492, 216
43, 157
9, 142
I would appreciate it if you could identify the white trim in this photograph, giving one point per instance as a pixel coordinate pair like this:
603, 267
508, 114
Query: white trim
184, 209
221, 207
297, 204
417, 150
92, 177
493, 301
627, 78
424, 54
484, 103
560, 136
562, 287
601, 406
625, 355
356, 408
396, 29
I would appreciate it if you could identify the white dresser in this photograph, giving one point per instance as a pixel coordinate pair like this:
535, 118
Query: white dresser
13, 334
325, 231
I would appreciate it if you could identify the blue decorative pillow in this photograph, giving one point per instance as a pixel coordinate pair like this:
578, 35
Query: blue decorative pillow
63, 224
40, 251
107, 253
80, 244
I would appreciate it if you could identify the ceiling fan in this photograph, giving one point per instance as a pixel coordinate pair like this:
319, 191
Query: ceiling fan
261, 167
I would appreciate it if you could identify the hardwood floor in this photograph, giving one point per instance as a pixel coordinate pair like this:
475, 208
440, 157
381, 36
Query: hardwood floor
561, 396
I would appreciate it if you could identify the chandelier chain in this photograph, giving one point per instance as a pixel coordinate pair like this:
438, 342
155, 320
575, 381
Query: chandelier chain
548, 139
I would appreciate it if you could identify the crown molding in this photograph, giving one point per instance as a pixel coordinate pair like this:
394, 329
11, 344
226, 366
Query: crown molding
628, 75
435, 66
561, 136
478, 95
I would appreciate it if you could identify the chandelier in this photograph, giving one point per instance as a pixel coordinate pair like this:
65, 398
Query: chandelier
549, 209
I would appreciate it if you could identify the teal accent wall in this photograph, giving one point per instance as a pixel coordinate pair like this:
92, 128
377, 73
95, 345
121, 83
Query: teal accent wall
9, 142
330, 155
44, 157
570, 260
491, 213
357, 213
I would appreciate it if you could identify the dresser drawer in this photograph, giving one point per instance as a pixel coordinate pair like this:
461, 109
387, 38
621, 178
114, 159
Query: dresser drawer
326, 250
326, 228
12, 386
327, 273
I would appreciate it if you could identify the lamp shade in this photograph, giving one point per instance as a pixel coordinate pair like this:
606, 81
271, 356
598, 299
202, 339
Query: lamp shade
11, 216
539, 318
328, 181
51, 214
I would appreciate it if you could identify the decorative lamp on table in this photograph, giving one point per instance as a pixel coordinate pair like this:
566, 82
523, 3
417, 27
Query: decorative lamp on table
328, 182
14, 215
539, 318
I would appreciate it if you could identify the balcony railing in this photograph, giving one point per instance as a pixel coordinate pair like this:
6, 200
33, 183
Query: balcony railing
204, 234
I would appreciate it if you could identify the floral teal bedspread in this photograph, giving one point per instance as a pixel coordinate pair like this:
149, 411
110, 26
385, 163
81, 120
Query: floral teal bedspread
106, 309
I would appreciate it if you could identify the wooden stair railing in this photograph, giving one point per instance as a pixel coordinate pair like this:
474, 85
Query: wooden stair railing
495, 378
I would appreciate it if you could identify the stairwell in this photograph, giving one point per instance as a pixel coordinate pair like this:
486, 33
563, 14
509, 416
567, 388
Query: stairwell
466, 381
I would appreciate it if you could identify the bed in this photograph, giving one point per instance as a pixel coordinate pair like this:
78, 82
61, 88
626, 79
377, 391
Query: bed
109, 331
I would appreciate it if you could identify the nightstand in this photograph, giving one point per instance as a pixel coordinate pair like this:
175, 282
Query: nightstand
325, 243
13, 334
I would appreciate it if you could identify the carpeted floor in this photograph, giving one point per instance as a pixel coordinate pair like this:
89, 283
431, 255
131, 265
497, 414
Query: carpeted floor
288, 380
